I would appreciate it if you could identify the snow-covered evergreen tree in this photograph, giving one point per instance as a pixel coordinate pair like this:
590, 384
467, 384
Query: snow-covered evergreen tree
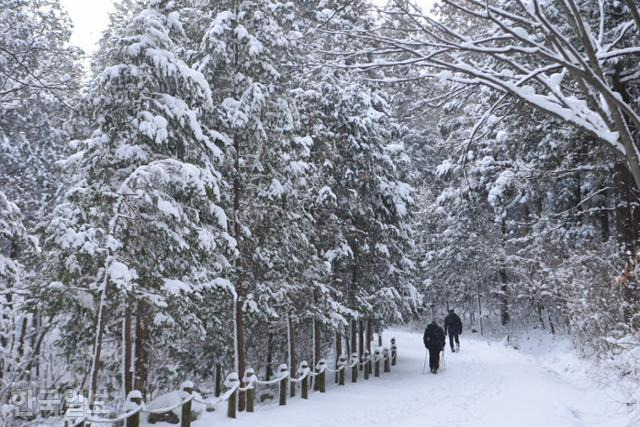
17, 349
141, 232
39, 79
362, 201
246, 54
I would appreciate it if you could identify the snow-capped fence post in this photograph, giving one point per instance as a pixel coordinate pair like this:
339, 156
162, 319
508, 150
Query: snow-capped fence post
231, 382
134, 399
321, 373
376, 356
367, 364
185, 416
304, 384
250, 381
283, 372
354, 367
394, 351
342, 361
386, 354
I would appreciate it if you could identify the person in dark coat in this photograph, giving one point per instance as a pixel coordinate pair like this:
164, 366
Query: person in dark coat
434, 341
453, 327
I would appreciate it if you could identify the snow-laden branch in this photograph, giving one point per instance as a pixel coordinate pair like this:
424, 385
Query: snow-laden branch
562, 57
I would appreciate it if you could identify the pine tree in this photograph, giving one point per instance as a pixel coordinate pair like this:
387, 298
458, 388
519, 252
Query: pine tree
140, 233
362, 202
39, 81
246, 54
17, 350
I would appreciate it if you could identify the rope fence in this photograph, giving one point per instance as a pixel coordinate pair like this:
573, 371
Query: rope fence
134, 405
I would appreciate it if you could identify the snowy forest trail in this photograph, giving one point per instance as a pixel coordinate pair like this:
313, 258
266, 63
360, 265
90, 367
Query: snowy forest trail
486, 384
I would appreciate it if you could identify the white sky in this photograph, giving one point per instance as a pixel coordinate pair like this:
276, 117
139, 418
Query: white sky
91, 17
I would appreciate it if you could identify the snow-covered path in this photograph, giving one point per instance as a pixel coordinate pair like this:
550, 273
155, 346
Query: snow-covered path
486, 384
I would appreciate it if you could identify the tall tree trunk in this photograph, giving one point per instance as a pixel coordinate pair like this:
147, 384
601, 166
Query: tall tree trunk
629, 139
97, 346
627, 177
347, 342
269, 361
360, 340
625, 227
127, 379
6, 320
354, 336
316, 347
101, 315
240, 348
8, 317
628, 231
540, 319
479, 308
318, 341
577, 194
239, 337
361, 336
218, 384
142, 347
292, 354
36, 345
353, 289
338, 350
504, 299
35, 357
504, 289
551, 326
369, 333
241, 292
603, 216
23, 334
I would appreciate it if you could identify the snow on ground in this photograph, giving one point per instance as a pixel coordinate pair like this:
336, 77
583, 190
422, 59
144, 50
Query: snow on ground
614, 378
486, 384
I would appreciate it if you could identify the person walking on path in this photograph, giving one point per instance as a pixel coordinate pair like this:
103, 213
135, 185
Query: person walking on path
434, 341
453, 326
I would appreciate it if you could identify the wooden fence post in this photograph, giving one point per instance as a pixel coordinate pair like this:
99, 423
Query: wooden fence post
367, 365
185, 416
250, 384
354, 370
321, 369
376, 366
283, 372
133, 398
232, 381
387, 359
394, 351
342, 361
304, 384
